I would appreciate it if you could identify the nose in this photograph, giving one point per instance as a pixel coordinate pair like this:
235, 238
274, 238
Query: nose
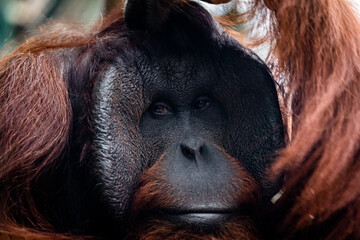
191, 148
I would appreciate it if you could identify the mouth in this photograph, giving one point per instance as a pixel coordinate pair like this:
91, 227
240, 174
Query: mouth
207, 218
201, 216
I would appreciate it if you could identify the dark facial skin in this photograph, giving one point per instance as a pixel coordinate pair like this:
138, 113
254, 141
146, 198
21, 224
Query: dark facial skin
185, 121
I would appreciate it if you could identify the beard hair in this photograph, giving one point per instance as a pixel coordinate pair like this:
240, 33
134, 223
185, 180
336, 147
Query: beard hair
155, 229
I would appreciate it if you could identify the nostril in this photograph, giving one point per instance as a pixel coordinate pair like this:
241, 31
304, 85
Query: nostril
188, 152
201, 150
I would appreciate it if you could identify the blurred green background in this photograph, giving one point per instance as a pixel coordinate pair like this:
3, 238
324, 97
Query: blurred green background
19, 17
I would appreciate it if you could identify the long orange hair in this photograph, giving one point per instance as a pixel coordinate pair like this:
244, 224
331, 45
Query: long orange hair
315, 48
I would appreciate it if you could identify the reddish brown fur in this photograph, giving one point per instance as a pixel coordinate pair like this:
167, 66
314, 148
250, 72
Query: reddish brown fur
316, 56
35, 115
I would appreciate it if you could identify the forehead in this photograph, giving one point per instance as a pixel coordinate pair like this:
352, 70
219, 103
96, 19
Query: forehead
220, 68
178, 77
193, 73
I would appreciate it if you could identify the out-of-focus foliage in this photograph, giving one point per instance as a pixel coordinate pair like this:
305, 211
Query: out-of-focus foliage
19, 17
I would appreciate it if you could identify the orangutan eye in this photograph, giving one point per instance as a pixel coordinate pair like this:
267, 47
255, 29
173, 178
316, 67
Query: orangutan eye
202, 103
159, 109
